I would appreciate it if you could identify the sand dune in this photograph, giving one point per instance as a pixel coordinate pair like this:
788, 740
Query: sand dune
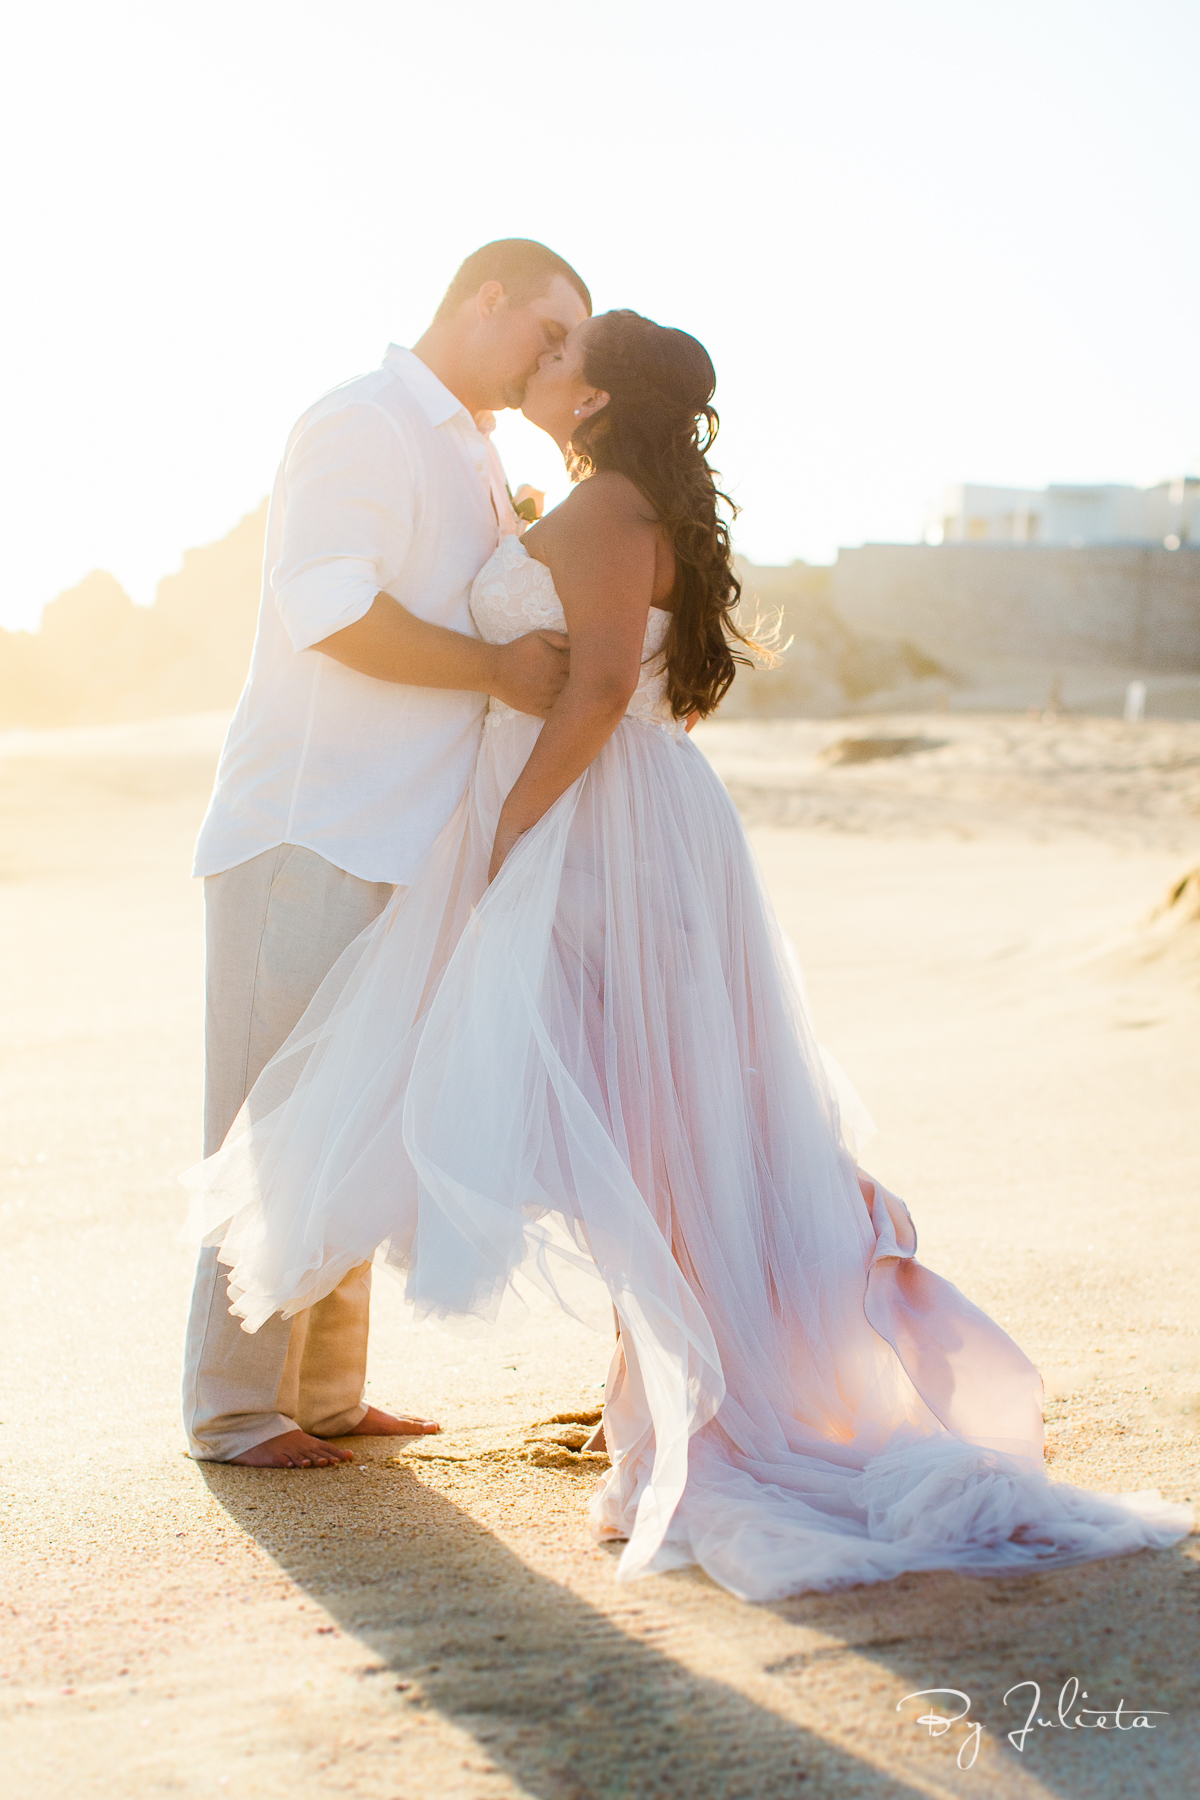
1168, 938
985, 927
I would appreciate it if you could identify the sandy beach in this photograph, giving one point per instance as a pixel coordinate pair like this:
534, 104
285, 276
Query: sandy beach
982, 906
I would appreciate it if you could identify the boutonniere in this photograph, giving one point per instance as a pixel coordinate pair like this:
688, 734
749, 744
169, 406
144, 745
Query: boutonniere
527, 502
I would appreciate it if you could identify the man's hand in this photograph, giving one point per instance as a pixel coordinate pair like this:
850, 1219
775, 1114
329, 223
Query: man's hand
531, 671
392, 644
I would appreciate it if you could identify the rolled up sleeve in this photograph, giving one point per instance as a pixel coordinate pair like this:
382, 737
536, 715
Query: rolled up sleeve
348, 521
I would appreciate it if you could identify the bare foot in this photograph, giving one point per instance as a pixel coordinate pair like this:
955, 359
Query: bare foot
292, 1450
380, 1424
597, 1441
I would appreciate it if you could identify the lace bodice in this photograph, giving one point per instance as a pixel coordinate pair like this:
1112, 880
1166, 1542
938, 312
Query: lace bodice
513, 594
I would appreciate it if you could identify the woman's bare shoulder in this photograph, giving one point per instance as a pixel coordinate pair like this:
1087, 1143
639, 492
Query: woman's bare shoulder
610, 500
603, 517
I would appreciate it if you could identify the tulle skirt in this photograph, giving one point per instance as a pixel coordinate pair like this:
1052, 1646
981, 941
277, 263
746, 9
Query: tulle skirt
607, 1057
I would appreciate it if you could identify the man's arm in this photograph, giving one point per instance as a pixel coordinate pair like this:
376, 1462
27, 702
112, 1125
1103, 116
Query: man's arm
350, 515
392, 644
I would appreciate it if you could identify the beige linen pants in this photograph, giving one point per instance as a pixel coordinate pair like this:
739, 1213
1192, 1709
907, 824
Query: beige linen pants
274, 928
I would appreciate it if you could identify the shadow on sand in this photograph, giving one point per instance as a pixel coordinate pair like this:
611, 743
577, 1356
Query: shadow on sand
575, 1706
558, 1695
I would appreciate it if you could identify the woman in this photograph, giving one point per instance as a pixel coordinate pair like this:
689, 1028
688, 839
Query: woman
582, 1016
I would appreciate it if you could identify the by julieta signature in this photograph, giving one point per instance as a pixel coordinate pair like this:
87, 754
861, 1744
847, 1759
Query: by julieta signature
1069, 1715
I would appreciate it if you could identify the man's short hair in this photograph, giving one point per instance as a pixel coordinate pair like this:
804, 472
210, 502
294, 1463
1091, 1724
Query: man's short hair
523, 268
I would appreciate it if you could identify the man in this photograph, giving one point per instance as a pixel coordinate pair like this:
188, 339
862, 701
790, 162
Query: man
351, 745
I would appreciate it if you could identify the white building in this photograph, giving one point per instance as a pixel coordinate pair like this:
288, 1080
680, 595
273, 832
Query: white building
1167, 515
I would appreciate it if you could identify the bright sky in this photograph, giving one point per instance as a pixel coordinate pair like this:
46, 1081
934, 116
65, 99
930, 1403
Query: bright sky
923, 240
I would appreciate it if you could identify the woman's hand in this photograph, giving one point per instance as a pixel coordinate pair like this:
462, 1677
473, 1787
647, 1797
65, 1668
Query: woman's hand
506, 836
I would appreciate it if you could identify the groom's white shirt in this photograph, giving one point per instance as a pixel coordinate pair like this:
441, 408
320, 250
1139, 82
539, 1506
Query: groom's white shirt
386, 485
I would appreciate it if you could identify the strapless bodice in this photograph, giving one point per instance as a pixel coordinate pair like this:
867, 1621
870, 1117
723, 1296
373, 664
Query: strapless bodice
513, 594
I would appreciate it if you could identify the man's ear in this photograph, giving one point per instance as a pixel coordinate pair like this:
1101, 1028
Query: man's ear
489, 298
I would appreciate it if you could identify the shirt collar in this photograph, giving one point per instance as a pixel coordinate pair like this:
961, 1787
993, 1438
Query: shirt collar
432, 395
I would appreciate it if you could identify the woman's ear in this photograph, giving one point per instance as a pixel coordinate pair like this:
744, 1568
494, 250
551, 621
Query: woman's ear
592, 404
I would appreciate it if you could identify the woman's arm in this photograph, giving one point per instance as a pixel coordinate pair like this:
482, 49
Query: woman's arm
600, 546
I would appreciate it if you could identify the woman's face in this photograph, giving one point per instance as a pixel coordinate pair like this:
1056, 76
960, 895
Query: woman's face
558, 396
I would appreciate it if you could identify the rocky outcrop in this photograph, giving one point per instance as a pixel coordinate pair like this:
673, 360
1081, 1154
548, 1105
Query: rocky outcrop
98, 659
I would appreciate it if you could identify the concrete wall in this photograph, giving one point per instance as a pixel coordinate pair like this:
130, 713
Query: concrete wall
1110, 604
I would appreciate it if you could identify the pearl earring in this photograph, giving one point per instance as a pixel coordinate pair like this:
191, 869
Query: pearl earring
578, 410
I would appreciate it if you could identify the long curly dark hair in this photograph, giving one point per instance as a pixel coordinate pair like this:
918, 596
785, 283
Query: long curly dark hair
657, 428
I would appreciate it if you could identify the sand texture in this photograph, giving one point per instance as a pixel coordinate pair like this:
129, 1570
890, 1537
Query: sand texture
994, 954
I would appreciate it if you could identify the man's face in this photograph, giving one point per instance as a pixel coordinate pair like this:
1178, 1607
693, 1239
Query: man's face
556, 395
515, 338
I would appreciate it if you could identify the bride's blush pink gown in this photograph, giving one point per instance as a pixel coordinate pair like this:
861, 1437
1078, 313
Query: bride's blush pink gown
611, 1038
